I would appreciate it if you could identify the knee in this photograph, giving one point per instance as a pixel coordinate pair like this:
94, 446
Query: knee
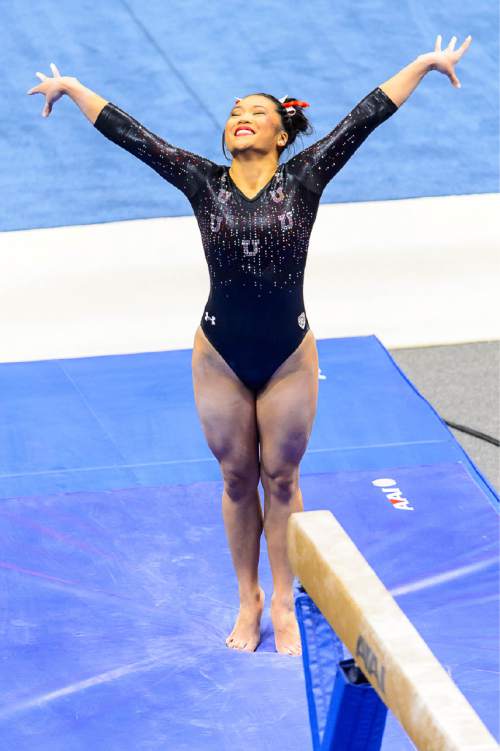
281, 482
240, 483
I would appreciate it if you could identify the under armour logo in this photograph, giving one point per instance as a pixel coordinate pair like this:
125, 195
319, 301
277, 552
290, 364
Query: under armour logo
283, 217
210, 318
302, 320
255, 245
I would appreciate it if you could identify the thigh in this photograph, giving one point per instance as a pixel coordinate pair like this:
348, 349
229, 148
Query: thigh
286, 409
226, 409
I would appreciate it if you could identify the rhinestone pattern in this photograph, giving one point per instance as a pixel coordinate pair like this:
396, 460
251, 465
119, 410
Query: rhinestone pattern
255, 247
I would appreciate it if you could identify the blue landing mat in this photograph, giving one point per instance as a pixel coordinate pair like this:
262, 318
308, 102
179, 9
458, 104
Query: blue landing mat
97, 423
118, 603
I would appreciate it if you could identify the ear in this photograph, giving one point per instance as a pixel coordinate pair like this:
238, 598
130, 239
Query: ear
282, 138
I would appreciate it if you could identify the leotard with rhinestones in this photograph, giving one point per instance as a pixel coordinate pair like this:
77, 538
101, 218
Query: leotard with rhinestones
255, 248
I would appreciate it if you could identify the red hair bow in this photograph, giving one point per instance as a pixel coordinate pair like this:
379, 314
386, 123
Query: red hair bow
290, 105
295, 102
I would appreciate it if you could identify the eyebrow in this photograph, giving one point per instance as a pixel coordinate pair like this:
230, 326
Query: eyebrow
253, 105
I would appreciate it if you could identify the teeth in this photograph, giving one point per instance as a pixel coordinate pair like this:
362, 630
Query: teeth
243, 130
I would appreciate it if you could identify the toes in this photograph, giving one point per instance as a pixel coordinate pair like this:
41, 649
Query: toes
293, 648
234, 643
241, 645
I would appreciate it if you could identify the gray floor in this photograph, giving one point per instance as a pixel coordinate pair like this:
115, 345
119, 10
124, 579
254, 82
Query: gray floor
462, 382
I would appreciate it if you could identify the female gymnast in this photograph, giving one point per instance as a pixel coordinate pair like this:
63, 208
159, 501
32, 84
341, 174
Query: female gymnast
255, 361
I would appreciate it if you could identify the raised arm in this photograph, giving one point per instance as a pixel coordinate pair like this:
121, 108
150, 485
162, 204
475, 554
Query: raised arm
317, 164
400, 86
182, 168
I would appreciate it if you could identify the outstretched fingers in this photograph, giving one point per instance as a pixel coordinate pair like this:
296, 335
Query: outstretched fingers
446, 59
451, 45
36, 89
56, 73
463, 47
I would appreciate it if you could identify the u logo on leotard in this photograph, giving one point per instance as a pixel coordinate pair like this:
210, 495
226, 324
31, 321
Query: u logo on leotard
278, 195
301, 320
283, 218
224, 195
255, 245
215, 222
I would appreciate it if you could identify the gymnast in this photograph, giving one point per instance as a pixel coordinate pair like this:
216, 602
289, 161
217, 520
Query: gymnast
255, 361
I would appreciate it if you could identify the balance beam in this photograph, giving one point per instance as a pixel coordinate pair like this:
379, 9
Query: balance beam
383, 641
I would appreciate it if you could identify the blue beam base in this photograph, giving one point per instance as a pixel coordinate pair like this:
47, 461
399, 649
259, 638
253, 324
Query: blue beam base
357, 715
345, 711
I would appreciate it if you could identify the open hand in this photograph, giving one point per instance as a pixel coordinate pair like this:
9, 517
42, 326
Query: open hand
445, 60
53, 88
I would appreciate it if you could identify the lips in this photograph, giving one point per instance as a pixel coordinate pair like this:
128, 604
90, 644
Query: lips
244, 131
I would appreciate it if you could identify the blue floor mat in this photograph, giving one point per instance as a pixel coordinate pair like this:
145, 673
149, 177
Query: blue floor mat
97, 423
118, 604
117, 574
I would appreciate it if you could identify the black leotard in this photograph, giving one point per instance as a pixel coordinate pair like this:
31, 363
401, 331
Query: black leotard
256, 248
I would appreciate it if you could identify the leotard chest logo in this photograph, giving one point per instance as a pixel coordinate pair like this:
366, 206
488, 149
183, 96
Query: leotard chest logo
215, 222
255, 247
223, 195
286, 220
278, 195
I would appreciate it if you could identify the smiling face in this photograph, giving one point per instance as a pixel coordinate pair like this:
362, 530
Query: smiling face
254, 124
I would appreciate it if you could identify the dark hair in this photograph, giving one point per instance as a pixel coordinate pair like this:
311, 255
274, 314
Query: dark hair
293, 124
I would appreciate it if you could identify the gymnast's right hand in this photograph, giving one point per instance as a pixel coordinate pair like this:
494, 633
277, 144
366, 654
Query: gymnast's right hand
53, 88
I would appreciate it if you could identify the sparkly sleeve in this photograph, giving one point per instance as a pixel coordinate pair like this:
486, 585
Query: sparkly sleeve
182, 168
317, 164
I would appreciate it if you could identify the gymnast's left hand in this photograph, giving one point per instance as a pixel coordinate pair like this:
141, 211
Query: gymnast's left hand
445, 60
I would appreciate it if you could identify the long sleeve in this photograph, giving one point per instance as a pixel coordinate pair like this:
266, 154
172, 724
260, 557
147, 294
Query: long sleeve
185, 170
317, 164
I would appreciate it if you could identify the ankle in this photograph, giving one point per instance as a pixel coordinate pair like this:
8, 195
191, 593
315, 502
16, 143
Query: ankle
251, 595
283, 599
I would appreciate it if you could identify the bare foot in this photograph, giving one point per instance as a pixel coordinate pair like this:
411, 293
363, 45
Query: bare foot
245, 635
286, 628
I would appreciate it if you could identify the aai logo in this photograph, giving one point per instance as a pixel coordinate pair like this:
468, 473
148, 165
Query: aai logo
372, 665
393, 494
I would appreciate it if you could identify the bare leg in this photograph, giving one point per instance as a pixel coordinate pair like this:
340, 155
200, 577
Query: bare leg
227, 413
243, 522
277, 513
285, 416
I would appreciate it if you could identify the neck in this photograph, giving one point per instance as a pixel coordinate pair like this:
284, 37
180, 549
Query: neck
253, 173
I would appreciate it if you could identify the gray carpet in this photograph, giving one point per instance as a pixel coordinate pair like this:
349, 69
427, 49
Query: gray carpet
462, 382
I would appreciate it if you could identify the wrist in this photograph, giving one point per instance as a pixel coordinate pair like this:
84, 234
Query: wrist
70, 84
426, 62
